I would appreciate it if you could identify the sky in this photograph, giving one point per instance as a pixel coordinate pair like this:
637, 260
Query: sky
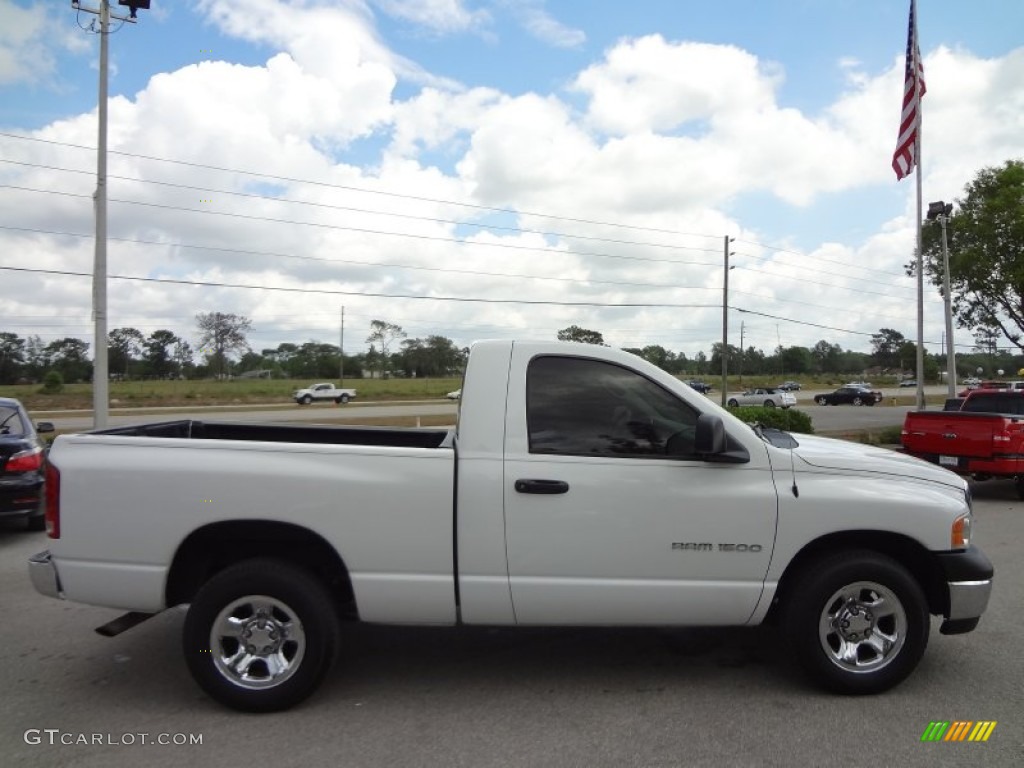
493, 168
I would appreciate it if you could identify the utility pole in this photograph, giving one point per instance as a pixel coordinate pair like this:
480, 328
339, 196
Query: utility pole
725, 322
100, 364
742, 328
341, 347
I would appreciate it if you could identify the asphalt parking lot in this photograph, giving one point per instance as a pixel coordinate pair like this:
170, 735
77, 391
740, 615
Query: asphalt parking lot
479, 697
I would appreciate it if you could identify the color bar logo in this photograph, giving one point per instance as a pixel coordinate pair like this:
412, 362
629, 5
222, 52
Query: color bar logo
958, 730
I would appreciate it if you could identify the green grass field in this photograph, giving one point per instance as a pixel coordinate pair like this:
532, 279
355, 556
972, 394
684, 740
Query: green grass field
141, 394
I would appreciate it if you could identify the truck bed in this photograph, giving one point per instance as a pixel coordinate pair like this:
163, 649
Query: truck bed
409, 437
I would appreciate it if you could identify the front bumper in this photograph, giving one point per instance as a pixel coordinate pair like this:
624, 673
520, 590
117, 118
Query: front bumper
43, 572
968, 576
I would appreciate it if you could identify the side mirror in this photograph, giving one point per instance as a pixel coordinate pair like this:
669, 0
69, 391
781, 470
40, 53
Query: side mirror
45, 426
709, 436
711, 442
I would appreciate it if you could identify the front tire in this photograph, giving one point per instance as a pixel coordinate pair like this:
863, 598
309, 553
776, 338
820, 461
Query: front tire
306, 400
769, 403
732, 404
261, 635
820, 400
857, 621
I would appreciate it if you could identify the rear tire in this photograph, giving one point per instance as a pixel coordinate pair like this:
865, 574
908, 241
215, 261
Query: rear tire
36, 523
820, 400
769, 403
1019, 484
858, 401
343, 400
261, 635
732, 404
858, 622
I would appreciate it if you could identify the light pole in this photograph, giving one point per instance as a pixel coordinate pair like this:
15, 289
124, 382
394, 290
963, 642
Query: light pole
100, 362
941, 210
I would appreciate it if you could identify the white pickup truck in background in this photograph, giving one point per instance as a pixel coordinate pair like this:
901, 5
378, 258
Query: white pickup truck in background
323, 391
582, 486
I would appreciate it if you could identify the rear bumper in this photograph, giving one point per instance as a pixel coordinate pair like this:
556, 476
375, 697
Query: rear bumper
997, 466
43, 573
21, 497
969, 576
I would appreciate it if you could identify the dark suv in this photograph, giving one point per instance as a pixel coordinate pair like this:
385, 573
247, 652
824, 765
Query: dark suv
22, 461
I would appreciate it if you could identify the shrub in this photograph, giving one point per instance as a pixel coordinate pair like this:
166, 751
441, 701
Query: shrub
53, 383
884, 436
780, 418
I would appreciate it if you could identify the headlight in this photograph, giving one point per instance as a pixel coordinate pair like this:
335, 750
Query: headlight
960, 533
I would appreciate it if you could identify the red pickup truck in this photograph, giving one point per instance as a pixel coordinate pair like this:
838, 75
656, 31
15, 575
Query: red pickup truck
984, 439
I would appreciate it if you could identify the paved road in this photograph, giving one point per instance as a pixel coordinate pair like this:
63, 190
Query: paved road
480, 698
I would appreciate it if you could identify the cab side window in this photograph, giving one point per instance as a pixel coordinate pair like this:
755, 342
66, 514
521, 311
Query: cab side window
580, 407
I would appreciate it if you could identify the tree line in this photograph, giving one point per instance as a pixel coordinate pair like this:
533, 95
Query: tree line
222, 349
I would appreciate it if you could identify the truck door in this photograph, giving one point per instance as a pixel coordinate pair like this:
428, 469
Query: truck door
609, 519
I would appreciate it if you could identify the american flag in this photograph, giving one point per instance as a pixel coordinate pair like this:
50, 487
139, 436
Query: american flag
905, 157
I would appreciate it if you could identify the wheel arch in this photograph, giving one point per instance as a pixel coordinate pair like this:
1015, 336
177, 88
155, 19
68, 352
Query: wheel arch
214, 547
906, 551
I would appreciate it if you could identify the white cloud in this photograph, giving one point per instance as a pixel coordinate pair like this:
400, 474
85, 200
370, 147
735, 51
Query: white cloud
29, 46
439, 16
326, 38
436, 119
651, 84
546, 28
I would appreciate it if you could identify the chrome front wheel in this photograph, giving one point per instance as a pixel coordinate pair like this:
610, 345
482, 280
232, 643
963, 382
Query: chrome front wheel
862, 627
857, 620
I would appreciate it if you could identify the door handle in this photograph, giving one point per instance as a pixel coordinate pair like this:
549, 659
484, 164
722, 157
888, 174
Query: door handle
542, 486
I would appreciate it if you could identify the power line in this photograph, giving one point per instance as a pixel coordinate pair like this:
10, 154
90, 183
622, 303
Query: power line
391, 265
789, 252
369, 294
353, 209
432, 238
484, 227
367, 263
349, 188
458, 299
362, 230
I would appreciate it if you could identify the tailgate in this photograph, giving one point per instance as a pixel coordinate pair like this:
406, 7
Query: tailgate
954, 434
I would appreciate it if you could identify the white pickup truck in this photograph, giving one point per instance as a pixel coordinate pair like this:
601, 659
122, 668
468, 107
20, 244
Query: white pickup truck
582, 486
322, 391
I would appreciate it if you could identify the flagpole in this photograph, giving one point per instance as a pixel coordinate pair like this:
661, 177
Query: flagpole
920, 242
